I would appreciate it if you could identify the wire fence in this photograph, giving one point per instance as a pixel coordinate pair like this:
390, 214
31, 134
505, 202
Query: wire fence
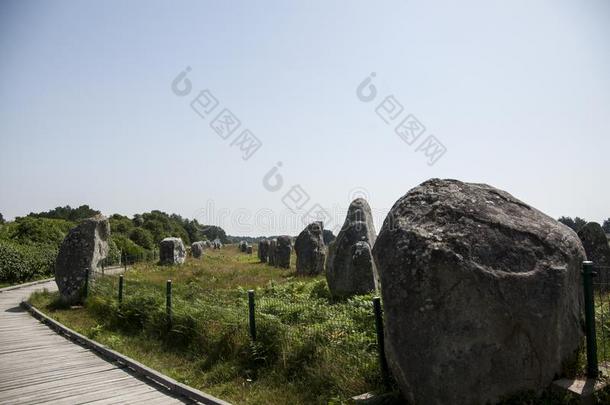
597, 315
293, 331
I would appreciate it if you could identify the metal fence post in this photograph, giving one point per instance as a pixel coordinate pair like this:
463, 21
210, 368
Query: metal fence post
252, 314
383, 364
168, 303
121, 289
86, 289
587, 278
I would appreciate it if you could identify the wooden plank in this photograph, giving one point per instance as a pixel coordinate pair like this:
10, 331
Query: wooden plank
39, 366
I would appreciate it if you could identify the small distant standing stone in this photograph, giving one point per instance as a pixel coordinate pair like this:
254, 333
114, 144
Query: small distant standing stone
282, 253
197, 249
80, 255
263, 250
243, 246
249, 249
172, 251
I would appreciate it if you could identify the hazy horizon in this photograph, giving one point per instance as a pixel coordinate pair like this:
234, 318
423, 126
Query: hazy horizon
93, 110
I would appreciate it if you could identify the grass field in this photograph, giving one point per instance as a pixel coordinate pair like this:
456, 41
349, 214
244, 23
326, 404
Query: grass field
309, 349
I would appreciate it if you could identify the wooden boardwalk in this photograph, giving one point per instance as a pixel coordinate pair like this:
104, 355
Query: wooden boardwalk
38, 366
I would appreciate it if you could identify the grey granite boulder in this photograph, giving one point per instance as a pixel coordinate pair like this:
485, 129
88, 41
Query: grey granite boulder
263, 250
595, 242
350, 268
310, 250
272, 252
282, 252
172, 251
79, 257
481, 293
249, 249
197, 249
596, 246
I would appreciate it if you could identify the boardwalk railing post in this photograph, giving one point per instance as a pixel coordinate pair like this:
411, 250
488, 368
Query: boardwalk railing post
587, 278
252, 316
383, 364
168, 303
121, 289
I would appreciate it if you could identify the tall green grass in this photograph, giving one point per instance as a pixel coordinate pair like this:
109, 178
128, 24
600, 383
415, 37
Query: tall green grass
309, 349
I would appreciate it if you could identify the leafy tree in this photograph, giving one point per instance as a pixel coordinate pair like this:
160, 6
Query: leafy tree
142, 237
127, 247
606, 225
67, 213
194, 230
579, 223
27, 230
138, 220
575, 223
567, 221
1, 219
162, 225
120, 224
212, 232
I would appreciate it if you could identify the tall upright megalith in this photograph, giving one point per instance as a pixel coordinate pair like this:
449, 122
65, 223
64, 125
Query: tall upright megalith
595, 242
481, 293
272, 252
310, 250
350, 268
80, 255
263, 250
282, 251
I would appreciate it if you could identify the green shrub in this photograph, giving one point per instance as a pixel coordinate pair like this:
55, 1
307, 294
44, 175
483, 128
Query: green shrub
142, 237
29, 230
128, 247
19, 263
114, 254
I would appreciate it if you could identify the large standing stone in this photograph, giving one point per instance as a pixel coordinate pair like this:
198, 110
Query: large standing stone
481, 293
350, 268
197, 249
263, 250
172, 251
282, 252
272, 252
79, 256
595, 242
310, 250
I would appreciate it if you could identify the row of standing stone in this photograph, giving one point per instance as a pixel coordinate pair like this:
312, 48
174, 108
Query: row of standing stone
276, 251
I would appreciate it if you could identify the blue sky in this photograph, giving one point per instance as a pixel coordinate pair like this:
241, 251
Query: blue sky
517, 92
